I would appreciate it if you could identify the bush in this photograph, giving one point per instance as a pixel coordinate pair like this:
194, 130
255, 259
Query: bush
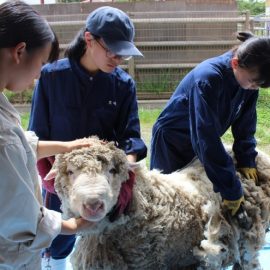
19, 98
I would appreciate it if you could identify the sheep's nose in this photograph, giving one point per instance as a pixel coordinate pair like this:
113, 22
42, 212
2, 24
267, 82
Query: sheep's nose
94, 206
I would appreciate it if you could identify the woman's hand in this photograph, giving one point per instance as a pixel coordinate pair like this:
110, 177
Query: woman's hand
75, 225
76, 144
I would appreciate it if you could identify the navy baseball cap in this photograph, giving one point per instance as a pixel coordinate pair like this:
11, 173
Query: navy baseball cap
115, 28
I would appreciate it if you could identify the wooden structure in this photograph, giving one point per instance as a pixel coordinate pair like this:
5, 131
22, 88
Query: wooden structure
174, 36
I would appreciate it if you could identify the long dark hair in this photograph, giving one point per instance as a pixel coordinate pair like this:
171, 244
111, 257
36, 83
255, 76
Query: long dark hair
254, 54
19, 22
77, 47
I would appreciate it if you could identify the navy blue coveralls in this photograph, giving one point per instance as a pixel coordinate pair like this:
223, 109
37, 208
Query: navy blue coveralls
68, 104
205, 104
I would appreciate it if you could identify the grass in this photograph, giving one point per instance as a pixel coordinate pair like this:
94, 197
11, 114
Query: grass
263, 123
149, 116
25, 120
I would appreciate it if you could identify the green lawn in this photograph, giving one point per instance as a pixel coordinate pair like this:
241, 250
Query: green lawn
263, 122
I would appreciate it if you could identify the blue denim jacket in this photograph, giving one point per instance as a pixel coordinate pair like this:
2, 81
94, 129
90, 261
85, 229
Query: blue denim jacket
69, 103
206, 103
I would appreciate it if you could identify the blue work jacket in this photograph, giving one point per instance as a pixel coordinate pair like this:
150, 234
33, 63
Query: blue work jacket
205, 104
69, 103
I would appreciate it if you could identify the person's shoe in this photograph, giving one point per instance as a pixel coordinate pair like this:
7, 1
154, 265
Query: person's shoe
52, 264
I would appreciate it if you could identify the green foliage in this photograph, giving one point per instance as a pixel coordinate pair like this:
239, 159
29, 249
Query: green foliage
25, 120
22, 97
166, 81
148, 116
254, 6
155, 84
263, 123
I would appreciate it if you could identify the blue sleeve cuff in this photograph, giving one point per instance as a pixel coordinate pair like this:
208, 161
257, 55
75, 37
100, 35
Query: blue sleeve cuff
134, 146
233, 194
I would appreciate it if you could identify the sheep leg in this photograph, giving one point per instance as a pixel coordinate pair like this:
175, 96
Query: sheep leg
249, 258
253, 266
248, 261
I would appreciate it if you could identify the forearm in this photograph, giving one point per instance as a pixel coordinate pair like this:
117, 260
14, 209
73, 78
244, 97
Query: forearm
75, 225
243, 130
51, 148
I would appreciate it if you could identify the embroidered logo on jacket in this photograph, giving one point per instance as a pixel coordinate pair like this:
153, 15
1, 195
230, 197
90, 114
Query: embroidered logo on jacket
110, 102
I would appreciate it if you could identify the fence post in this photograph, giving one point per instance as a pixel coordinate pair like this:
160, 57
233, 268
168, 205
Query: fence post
131, 67
252, 25
247, 20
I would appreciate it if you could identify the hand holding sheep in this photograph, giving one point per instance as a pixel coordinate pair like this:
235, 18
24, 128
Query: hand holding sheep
250, 173
75, 225
233, 206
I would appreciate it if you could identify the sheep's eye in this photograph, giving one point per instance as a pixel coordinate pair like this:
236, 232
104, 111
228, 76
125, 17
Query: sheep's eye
113, 171
69, 172
101, 159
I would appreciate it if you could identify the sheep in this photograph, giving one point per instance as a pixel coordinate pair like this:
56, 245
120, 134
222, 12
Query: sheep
172, 221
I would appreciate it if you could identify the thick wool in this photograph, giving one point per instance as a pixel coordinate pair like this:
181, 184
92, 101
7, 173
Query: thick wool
175, 221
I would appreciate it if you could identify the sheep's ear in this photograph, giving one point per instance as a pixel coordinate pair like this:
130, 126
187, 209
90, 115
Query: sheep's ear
51, 174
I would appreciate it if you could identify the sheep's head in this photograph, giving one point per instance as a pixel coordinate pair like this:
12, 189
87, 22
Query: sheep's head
88, 180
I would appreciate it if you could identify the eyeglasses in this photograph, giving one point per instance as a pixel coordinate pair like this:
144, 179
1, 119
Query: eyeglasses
110, 54
257, 82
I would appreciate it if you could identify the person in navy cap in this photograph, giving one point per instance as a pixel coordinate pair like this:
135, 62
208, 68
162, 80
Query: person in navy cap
87, 94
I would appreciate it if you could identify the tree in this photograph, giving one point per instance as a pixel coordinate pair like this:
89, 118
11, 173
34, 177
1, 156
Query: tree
254, 6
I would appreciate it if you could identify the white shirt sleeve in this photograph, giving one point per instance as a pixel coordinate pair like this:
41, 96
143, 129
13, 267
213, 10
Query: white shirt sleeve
32, 139
23, 219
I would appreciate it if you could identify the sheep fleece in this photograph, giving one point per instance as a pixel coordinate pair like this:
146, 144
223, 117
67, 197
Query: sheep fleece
174, 221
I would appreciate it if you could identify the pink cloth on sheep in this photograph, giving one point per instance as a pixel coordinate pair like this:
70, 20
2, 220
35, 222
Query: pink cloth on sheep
44, 166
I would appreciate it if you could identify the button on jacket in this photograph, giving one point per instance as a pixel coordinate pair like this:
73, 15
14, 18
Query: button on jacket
68, 104
205, 104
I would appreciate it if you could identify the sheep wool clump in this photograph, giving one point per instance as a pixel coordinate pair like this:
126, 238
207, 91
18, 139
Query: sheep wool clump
172, 221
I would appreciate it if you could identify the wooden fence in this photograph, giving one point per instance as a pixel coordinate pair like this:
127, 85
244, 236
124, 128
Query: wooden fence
174, 36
